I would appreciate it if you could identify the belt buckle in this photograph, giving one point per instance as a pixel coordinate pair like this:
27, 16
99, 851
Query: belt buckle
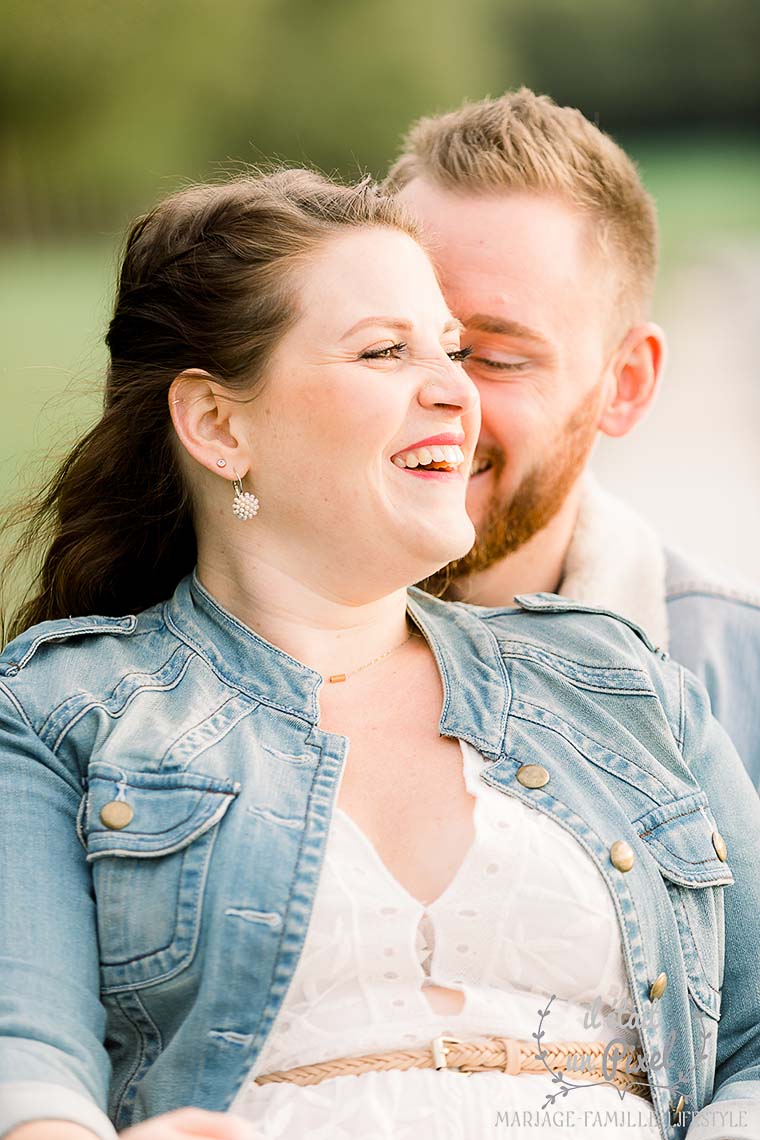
440, 1046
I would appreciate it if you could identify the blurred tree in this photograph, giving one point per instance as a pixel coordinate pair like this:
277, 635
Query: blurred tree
103, 106
642, 64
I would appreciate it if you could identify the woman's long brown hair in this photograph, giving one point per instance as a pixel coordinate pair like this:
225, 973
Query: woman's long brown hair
208, 280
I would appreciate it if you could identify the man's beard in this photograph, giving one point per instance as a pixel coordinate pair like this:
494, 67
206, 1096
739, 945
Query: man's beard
509, 524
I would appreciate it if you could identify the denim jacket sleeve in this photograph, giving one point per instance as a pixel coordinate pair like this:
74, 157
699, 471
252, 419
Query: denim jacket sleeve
736, 810
53, 1064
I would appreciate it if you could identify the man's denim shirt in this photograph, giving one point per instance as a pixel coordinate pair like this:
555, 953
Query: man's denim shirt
143, 967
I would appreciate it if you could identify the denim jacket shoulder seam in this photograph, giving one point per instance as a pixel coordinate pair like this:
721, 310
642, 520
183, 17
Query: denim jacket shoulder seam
76, 790
100, 702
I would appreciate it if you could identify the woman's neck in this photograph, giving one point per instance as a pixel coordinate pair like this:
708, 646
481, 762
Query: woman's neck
329, 633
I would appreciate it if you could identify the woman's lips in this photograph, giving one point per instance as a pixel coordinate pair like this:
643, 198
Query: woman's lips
446, 438
445, 457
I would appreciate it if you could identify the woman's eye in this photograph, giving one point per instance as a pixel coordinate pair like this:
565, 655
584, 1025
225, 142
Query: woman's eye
383, 353
460, 354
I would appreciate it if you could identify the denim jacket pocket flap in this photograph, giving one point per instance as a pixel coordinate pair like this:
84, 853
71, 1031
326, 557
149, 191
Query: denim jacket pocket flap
682, 839
164, 811
680, 836
150, 838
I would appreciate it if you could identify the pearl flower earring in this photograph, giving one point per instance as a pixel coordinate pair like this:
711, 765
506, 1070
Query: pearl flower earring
244, 505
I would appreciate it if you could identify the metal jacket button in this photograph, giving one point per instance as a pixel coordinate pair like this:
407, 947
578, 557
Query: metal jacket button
116, 814
657, 988
532, 775
719, 844
621, 855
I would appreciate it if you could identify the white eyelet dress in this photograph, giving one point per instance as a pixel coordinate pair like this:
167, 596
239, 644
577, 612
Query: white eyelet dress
527, 916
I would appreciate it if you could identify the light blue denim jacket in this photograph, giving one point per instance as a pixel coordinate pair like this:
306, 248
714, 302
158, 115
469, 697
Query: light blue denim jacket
714, 631
143, 968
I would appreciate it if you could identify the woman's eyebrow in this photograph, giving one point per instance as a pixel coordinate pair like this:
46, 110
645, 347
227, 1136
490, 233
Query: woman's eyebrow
387, 322
401, 325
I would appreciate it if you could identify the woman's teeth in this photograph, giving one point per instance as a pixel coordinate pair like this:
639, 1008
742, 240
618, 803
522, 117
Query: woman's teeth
438, 457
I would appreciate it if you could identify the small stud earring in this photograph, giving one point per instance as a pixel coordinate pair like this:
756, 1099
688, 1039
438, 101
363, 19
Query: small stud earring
221, 462
244, 505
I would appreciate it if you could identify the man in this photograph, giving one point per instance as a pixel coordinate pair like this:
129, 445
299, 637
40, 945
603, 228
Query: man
546, 245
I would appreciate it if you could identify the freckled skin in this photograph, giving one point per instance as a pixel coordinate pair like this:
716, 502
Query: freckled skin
346, 416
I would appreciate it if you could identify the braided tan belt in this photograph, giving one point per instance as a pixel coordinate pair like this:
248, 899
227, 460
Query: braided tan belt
582, 1060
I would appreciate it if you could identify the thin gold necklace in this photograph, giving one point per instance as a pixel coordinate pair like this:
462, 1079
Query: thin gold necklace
344, 676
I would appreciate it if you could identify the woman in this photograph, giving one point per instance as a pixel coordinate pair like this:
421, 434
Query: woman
292, 843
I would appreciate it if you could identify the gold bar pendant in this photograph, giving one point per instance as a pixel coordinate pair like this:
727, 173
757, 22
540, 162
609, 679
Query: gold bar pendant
336, 677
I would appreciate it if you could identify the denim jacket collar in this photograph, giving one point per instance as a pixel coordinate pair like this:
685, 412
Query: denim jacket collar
465, 650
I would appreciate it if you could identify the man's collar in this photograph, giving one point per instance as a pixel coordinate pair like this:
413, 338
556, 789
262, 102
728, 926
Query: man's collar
616, 560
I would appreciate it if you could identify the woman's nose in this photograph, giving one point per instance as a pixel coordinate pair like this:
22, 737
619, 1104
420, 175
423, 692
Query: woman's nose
450, 386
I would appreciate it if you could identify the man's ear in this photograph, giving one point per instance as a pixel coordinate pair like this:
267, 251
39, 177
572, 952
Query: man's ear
204, 419
635, 369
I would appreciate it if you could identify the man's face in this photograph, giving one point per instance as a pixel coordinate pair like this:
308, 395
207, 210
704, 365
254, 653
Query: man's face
520, 272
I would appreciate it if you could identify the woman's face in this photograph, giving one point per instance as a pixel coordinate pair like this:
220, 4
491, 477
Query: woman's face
366, 377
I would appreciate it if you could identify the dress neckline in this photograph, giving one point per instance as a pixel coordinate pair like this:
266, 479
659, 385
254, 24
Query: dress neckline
386, 871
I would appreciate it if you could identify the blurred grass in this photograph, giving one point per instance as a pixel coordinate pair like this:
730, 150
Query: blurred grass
707, 193
54, 303
55, 300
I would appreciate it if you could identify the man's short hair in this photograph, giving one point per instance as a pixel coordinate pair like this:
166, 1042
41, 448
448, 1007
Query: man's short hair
525, 142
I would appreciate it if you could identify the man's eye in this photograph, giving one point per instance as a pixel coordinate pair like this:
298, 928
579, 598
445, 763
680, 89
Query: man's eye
516, 365
460, 354
383, 353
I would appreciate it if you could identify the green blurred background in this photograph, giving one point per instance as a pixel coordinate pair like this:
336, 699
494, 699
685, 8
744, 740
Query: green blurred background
104, 108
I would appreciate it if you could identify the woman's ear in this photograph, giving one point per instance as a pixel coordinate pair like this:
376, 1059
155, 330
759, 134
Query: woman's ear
206, 423
636, 368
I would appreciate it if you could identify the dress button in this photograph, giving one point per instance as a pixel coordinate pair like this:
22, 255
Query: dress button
719, 844
116, 814
532, 775
621, 855
657, 988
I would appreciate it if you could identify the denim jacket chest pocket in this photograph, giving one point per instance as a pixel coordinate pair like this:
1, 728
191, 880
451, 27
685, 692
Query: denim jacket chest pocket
149, 872
684, 841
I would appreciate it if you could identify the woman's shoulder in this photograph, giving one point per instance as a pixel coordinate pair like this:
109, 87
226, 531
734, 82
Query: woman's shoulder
52, 660
558, 642
556, 624
19, 652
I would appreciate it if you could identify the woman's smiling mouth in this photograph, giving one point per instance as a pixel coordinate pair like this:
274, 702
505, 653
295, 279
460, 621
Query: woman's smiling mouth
439, 456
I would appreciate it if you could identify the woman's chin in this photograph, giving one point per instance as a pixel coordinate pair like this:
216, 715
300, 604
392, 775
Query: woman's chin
441, 549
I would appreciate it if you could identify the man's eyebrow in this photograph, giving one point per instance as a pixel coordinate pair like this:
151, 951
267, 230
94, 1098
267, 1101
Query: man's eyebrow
501, 326
453, 324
